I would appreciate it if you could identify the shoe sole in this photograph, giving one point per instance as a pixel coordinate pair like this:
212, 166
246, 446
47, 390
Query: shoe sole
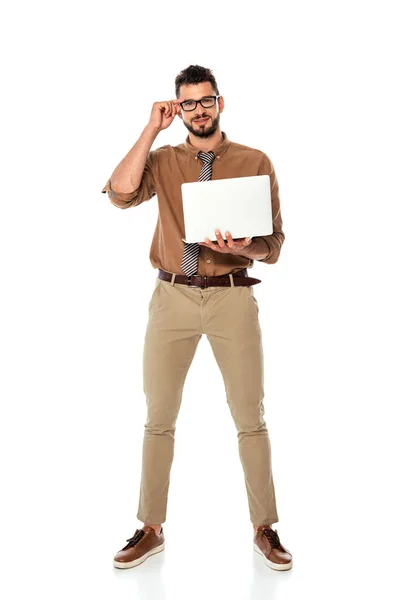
273, 565
138, 561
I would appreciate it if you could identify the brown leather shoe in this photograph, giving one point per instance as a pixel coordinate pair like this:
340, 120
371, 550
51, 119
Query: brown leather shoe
267, 543
140, 546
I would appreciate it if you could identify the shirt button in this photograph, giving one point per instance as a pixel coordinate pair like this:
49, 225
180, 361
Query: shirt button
208, 260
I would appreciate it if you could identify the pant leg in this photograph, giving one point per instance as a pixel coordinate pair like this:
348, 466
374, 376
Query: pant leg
231, 323
172, 336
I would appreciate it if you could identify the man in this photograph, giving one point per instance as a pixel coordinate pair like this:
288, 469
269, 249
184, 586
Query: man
200, 288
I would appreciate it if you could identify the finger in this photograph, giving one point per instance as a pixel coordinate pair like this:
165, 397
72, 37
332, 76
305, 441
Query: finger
210, 244
177, 105
229, 239
172, 111
168, 109
220, 241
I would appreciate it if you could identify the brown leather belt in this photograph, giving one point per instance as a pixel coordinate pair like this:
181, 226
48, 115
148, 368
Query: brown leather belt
203, 281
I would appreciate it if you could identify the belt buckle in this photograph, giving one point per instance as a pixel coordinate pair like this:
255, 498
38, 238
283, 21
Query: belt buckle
189, 283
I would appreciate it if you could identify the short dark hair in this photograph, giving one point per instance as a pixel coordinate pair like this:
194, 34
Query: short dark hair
195, 74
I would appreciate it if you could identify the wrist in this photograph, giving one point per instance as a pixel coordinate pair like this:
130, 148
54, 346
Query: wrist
152, 130
256, 250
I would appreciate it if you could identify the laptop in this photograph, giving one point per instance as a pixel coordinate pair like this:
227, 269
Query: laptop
240, 205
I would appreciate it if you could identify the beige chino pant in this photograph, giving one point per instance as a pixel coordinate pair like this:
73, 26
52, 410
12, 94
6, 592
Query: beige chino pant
178, 317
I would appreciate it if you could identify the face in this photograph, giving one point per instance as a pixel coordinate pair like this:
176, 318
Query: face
196, 92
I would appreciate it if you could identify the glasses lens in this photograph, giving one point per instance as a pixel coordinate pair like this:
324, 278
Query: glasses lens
208, 102
188, 105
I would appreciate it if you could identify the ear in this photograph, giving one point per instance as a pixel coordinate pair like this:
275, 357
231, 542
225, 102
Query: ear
221, 104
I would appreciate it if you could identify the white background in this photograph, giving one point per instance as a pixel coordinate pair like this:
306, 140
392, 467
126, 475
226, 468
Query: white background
312, 84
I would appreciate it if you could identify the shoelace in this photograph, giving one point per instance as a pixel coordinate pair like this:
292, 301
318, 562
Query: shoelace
273, 537
139, 533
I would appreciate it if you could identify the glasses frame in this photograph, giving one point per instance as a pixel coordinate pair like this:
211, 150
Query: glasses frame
197, 101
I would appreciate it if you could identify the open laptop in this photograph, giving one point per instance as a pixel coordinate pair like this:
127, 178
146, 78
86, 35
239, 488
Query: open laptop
240, 205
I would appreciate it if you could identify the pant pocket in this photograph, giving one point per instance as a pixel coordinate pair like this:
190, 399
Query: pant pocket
154, 294
253, 297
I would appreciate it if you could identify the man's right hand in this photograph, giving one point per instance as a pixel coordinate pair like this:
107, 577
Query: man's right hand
163, 113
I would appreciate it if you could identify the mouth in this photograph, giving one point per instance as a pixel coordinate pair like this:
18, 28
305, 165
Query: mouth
201, 120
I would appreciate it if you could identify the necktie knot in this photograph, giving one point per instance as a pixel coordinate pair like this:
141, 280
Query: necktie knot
207, 157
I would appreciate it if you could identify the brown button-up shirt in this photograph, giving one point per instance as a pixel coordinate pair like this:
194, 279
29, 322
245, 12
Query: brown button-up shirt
165, 170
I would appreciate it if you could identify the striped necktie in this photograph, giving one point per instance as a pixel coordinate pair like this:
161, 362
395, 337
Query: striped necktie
191, 252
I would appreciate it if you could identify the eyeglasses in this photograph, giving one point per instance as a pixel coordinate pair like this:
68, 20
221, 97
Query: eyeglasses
206, 102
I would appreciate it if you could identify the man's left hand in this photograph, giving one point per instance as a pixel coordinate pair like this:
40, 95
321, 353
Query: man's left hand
231, 246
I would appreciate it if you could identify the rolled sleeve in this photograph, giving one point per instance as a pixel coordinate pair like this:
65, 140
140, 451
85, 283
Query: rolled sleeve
273, 242
143, 193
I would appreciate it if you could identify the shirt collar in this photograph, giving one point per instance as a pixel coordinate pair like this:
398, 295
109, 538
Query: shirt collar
218, 151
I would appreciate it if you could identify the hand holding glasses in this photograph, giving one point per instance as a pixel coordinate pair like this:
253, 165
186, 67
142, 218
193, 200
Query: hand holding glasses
163, 113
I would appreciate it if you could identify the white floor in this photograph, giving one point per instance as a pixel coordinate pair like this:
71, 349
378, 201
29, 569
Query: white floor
212, 561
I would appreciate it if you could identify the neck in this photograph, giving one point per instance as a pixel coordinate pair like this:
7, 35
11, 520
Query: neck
206, 144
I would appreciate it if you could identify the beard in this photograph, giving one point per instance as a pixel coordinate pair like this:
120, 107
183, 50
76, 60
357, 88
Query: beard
205, 130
